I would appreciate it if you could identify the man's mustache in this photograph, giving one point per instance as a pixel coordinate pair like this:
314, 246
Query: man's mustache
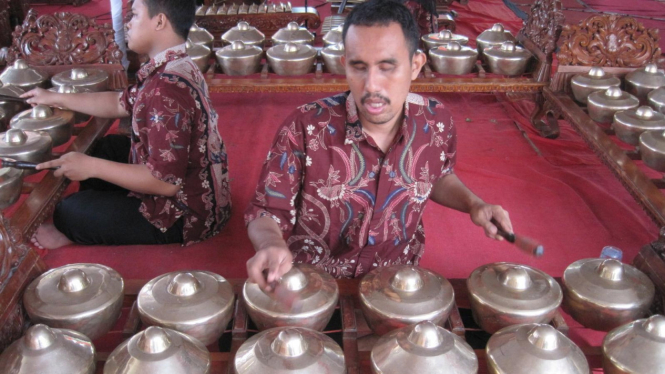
368, 96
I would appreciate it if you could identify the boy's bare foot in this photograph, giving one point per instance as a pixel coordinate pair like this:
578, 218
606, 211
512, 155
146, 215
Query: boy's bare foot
47, 236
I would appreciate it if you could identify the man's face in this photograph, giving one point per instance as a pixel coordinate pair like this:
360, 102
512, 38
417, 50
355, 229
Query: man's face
379, 71
141, 28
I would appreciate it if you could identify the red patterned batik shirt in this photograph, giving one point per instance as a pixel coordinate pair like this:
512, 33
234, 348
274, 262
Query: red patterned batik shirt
346, 206
174, 133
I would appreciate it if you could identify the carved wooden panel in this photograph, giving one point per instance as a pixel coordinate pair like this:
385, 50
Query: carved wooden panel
540, 35
544, 25
609, 41
63, 39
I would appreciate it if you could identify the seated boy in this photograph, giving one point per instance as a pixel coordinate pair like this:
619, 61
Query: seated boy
168, 183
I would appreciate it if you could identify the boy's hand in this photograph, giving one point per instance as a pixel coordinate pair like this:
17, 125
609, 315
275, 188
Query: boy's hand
39, 96
73, 165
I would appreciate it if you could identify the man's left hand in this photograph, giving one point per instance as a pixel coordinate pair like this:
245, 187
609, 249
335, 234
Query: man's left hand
482, 215
73, 165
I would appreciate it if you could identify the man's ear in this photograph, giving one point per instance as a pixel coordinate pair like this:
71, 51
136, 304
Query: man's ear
161, 22
343, 59
417, 62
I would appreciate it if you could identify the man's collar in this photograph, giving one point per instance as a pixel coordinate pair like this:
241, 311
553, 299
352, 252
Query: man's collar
167, 55
354, 132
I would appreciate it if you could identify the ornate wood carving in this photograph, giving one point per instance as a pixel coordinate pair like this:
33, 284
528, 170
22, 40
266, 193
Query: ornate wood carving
544, 25
58, 42
609, 41
63, 39
268, 23
540, 35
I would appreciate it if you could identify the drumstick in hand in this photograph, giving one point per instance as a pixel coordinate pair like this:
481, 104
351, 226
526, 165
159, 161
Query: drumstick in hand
4, 163
527, 245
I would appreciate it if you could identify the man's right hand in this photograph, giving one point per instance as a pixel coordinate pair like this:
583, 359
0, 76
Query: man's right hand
276, 259
39, 96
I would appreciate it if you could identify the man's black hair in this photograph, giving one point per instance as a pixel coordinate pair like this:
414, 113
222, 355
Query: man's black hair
179, 12
382, 13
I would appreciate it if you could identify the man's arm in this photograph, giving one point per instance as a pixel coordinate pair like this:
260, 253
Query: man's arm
138, 178
98, 104
450, 192
272, 252
273, 210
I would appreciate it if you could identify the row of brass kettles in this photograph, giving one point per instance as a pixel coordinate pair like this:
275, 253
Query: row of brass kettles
405, 305
636, 114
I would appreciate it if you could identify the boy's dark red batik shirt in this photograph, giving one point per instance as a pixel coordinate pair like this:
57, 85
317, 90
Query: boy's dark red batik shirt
174, 133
